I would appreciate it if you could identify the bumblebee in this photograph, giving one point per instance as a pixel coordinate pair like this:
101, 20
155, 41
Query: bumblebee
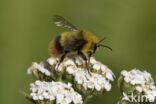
77, 42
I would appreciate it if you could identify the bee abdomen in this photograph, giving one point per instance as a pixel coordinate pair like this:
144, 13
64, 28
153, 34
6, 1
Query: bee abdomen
56, 48
58, 44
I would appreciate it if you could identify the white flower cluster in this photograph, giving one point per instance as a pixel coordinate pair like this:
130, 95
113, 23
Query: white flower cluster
142, 81
87, 80
105, 71
40, 68
55, 91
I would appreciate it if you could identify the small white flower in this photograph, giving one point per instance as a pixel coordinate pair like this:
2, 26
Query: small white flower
33, 94
69, 62
90, 84
133, 82
154, 92
109, 76
93, 61
41, 69
103, 68
139, 89
97, 87
29, 71
127, 79
51, 98
33, 89
107, 86
46, 96
32, 85
35, 97
47, 73
80, 79
97, 66
59, 98
79, 61
77, 99
71, 69
52, 61
124, 73
69, 85
38, 82
152, 87
40, 97
85, 86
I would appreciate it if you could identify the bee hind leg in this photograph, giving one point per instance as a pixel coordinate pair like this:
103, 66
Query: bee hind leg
61, 60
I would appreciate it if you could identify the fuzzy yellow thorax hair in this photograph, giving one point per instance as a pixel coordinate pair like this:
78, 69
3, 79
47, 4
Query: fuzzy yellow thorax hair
64, 36
91, 39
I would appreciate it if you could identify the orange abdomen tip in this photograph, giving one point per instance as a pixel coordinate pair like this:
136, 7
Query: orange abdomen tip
53, 51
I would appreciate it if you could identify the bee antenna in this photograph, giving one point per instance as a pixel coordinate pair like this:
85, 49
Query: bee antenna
101, 45
101, 40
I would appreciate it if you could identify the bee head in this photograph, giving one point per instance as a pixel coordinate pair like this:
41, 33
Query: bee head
97, 45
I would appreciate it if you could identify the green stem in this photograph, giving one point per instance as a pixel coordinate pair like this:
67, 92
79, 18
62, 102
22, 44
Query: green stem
27, 96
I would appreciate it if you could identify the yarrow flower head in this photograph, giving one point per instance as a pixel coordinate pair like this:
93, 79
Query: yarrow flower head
94, 81
40, 67
58, 92
139, 83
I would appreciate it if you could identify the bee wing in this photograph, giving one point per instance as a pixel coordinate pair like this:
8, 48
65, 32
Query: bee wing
74, 44
62, 22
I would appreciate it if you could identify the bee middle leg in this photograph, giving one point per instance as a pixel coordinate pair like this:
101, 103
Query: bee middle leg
86, 61
84, 58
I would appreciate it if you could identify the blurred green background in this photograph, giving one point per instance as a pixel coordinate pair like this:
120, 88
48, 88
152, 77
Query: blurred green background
26, 29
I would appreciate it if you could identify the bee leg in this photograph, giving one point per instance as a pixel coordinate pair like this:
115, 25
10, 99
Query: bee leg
61, 60
86, 61
87, 65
